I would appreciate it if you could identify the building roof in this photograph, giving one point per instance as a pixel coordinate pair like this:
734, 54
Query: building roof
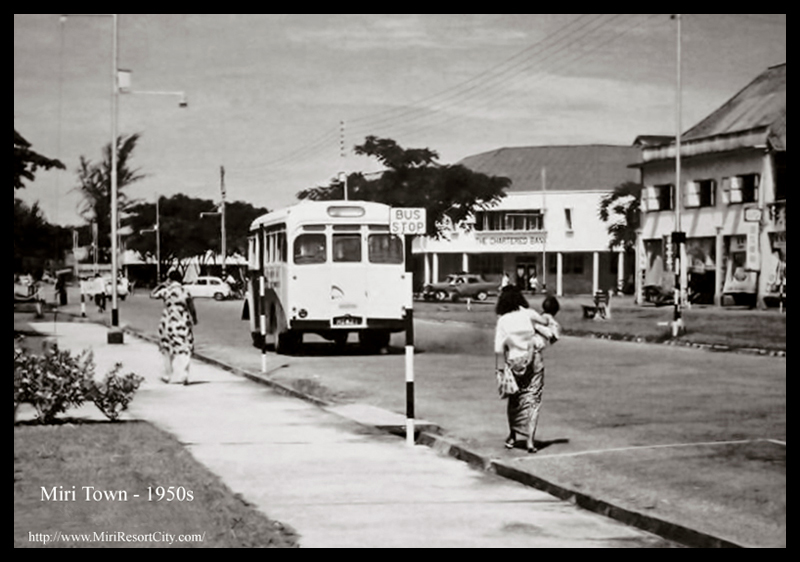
568, 168
760, 104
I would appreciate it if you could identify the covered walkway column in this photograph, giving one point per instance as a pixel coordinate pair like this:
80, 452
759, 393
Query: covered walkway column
465, 262
595, 272
435, 267
719, 267
559, 272
620, 271
427, 265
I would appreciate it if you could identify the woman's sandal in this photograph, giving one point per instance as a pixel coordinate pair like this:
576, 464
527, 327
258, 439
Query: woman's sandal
510, 442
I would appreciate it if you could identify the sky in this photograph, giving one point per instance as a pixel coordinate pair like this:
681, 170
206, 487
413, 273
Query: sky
280, 100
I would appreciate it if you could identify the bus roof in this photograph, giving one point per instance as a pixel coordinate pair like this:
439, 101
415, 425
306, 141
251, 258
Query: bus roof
327, 211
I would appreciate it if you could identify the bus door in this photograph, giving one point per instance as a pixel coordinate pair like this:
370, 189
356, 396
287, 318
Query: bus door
388, 289
349, 306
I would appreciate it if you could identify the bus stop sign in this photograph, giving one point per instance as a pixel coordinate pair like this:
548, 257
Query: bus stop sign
407, 221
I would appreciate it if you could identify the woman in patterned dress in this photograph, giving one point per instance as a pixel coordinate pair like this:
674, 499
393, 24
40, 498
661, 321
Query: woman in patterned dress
175, 335
520, 336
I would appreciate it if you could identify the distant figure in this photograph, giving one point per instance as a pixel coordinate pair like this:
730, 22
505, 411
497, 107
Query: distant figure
534, 283
505, 281
61, 290
175, 333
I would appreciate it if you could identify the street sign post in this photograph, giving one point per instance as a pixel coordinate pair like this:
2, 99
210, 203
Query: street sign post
409, 222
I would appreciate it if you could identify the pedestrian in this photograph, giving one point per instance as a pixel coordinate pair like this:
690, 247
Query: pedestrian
99, 292
505, 281
533, 283
175, 333
61, 289
520, 336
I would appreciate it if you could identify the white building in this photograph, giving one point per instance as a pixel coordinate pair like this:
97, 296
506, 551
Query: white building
732, 199
547, 228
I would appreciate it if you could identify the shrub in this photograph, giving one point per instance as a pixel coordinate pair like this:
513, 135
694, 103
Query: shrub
57, 380
113, 394
51, 382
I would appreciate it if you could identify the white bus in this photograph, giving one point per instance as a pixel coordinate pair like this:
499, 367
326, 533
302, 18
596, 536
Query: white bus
328, 268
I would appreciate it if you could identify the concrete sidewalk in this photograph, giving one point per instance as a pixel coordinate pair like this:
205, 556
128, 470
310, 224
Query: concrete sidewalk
337, 482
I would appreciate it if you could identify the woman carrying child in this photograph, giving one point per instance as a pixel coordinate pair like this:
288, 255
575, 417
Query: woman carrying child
520, 336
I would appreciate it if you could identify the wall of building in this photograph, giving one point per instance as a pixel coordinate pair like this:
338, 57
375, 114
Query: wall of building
735, 264
520, 253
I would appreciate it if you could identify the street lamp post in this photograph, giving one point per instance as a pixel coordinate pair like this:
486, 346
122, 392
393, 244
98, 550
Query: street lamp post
115, 335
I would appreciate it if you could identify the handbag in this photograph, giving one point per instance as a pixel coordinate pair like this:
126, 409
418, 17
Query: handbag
506, 382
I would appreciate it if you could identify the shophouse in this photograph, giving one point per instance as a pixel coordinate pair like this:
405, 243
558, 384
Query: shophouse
732, 198
546, 231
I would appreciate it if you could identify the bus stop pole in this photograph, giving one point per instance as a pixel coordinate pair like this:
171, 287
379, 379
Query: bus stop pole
262, 299
409, 320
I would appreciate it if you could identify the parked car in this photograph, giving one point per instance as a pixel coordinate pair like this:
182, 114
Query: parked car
460, 286
472, 286
439, 291
212, 287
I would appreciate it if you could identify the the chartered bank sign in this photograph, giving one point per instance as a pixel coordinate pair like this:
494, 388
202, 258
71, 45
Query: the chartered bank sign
511, 241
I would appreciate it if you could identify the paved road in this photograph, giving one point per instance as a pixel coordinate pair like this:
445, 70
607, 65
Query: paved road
687, 435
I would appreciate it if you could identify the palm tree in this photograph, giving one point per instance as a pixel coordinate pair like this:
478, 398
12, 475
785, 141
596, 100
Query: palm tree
621, 209
94, 183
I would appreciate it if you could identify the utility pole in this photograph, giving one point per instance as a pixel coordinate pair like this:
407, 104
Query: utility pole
158, 241
222, 221
678, 236
343, 154
544, 240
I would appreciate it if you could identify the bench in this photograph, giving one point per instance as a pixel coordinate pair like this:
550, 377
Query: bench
601, 309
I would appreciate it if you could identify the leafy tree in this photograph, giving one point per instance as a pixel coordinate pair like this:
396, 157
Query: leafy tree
414, 178
183, 233
621, 210
35, 240
26, 161
94, 183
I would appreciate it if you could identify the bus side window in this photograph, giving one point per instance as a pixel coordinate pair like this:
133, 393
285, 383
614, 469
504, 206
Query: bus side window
309, 248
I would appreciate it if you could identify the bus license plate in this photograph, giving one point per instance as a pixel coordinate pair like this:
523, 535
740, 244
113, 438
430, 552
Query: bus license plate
347, 321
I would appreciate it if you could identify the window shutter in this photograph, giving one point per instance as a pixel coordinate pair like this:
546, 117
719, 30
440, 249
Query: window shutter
691, 194
650, 199
725, 187
736, 190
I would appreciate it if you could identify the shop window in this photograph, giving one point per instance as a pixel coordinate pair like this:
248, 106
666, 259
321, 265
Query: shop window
740, 189
509, 220
700, 193
658, 198
780, 176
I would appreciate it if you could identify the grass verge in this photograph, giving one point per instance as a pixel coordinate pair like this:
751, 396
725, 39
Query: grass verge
734, 327
136, 458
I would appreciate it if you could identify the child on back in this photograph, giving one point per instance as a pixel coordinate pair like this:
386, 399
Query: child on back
550, 332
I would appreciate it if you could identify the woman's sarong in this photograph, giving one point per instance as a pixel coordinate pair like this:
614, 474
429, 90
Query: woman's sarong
523, 407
